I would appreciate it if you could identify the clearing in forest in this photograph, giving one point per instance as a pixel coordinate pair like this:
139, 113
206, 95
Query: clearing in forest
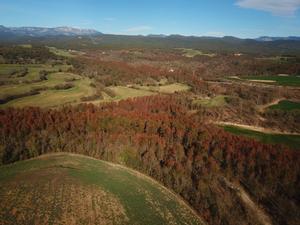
287, 80
291, 140
286, 105
217, 101
41, 85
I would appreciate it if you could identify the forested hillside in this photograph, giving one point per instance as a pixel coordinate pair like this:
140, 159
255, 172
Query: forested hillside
108, 41
161, 137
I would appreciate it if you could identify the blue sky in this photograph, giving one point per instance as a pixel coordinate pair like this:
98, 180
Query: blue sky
241, 18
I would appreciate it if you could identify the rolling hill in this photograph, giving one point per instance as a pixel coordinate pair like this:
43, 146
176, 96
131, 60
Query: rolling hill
73, 189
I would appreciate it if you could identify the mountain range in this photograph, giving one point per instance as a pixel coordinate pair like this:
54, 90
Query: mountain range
75, 38
43, 31
71, 31
289, 38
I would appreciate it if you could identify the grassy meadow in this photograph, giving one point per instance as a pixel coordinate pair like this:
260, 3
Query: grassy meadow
18, 90
49, 96
293, 141
217, 101
63, 52
10, 72
73, 189
163, 88
286, 105
277, 80
116, 93
190, 53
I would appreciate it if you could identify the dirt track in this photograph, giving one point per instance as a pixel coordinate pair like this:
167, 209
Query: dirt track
256, 128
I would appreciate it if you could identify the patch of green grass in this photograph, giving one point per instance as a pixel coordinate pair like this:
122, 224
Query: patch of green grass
144, 200
52, 98
48, 96
133, 91
60, 52
164, 88
218, 101
278, 80
190, 53
172, 88
33, 71
53, 79
127, 92
293, 141
286, 105
276, 58
26, 45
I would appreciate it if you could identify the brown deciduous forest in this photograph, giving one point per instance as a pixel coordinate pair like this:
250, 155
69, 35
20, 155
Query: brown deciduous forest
161, 137
150, 112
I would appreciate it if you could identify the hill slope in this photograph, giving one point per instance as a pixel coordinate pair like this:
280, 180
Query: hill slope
73, 189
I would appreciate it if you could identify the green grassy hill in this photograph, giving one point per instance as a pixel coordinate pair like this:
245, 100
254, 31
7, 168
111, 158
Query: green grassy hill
73, 189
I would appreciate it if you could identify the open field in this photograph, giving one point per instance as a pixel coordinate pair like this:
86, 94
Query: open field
73, 189
116, 93
292, 141
276, 58
277, 80
11, 72
164, 88
26, 45
52, 80
190, 53
61, 52
31, 90
53, 98
217, 101
286, 105
123, 92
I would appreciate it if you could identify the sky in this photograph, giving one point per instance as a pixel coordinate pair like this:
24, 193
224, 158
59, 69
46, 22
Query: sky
240, 18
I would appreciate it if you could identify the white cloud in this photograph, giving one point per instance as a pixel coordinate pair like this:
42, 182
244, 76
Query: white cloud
138, 29
276, 7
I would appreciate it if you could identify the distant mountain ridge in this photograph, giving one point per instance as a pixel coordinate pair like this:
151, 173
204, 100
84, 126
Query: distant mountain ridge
75, 38
289, 38
71, 31
43, 31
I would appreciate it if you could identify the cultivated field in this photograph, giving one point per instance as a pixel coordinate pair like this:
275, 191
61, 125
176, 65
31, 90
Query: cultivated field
164, 88
116, 93
55, 88
52, 98
64, 53
288, 80
286, 105
73, 189
292, 141
190, 53
32, 90
217, 101
11, 73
